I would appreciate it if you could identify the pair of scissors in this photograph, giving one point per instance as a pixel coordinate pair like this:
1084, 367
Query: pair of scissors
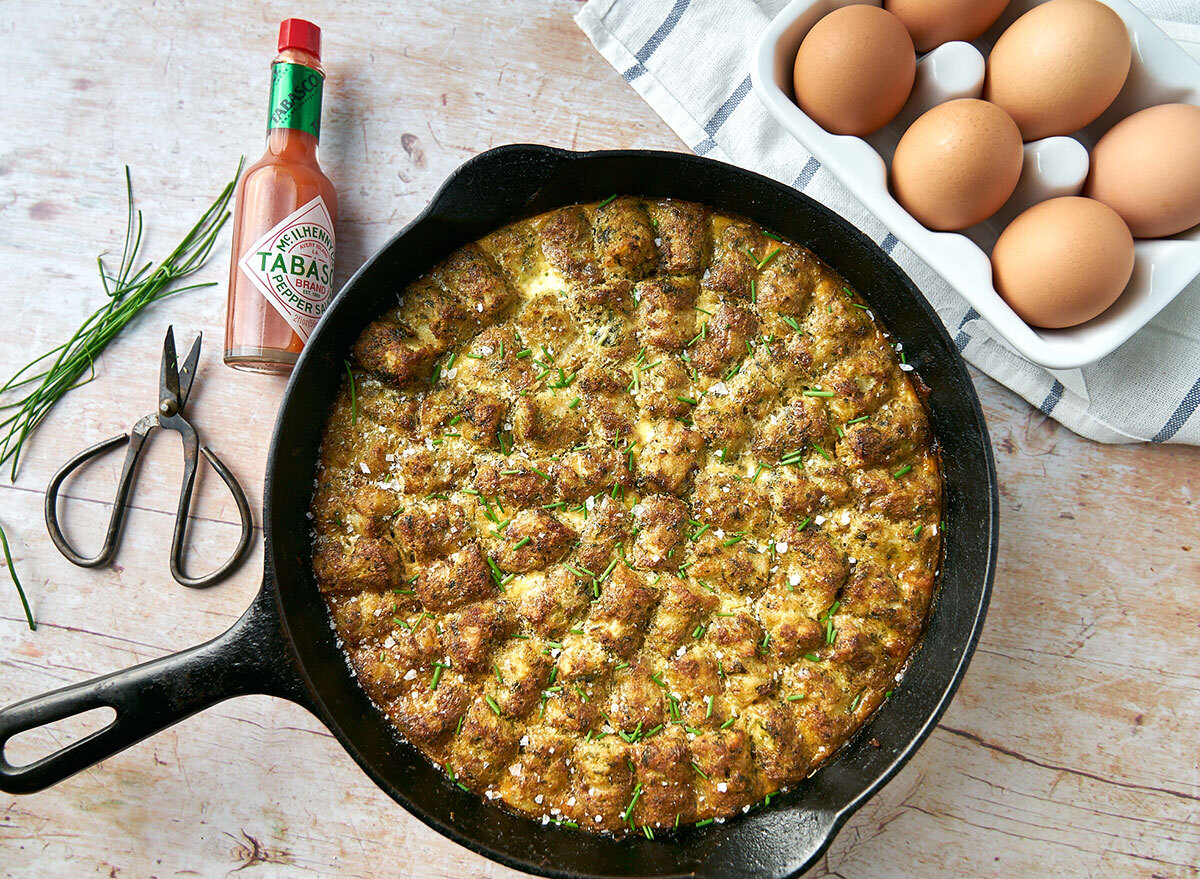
174, 385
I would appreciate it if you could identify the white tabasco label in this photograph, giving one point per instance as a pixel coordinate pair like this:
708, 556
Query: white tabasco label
292, 265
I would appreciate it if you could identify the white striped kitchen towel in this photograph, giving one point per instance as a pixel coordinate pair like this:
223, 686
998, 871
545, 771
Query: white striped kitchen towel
690, 60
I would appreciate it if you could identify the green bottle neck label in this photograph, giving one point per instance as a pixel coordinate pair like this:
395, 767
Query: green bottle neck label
295, 98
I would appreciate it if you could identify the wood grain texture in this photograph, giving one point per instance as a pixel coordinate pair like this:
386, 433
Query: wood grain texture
1070, 749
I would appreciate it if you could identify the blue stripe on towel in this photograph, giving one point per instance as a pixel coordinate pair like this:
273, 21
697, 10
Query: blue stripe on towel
723, 113
962, 340
661, 33
889, 243
1180, 416
807, 173
1052, 398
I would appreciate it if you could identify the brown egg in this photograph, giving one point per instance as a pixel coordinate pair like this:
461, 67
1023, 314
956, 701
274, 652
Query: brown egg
1063, 261
1147, 169
1058, 66
855, 69
933, 22
957, 164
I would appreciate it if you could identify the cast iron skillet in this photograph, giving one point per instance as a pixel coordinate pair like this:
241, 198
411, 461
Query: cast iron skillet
284, 645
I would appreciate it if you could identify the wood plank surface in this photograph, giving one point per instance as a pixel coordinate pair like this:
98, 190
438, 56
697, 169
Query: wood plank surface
1070, 750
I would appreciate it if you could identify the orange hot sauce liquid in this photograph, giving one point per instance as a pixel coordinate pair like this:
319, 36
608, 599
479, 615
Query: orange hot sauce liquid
257, 337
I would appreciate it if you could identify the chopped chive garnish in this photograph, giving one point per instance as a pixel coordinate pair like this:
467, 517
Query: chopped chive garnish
795, 696
857, 699
917, 533
772, 236
727, 724
790, 321
696, 766
902, 471
685, 399
523, 353
626, 815
607, 201
492, 704
574, 404
353, 395
557, 505
824, 454
704, 823
708, 712
812, 657
496, 669
524, 540
857, 305
766, 259
735, 539
437, 676
818, 393
806, 520
857, 420
542, 474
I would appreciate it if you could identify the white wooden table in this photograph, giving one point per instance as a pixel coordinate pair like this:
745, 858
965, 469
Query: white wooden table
1070, 750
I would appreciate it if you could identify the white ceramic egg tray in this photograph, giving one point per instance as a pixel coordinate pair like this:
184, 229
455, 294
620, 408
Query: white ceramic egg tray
1161, 72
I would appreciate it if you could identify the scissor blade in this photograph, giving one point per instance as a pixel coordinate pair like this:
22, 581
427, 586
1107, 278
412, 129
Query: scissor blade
188, 371
168, 379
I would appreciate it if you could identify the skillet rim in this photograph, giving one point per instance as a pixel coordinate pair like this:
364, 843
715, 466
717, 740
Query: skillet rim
830, 821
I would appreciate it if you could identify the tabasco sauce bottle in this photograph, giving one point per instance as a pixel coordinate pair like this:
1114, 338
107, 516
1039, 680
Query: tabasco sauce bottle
281, 277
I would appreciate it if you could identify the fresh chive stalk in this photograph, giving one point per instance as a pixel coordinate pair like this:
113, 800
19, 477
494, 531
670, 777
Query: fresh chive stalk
12, 572
129, 291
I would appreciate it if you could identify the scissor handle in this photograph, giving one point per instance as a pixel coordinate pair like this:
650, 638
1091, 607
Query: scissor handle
182, 514
136, 441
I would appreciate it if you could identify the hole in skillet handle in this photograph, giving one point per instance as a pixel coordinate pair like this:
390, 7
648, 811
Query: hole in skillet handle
253, 656
28, 747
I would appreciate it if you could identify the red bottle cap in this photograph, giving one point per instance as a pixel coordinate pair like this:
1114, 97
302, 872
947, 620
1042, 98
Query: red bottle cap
296, 33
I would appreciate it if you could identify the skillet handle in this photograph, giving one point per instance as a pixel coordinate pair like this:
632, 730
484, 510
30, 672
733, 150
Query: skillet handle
253, 656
